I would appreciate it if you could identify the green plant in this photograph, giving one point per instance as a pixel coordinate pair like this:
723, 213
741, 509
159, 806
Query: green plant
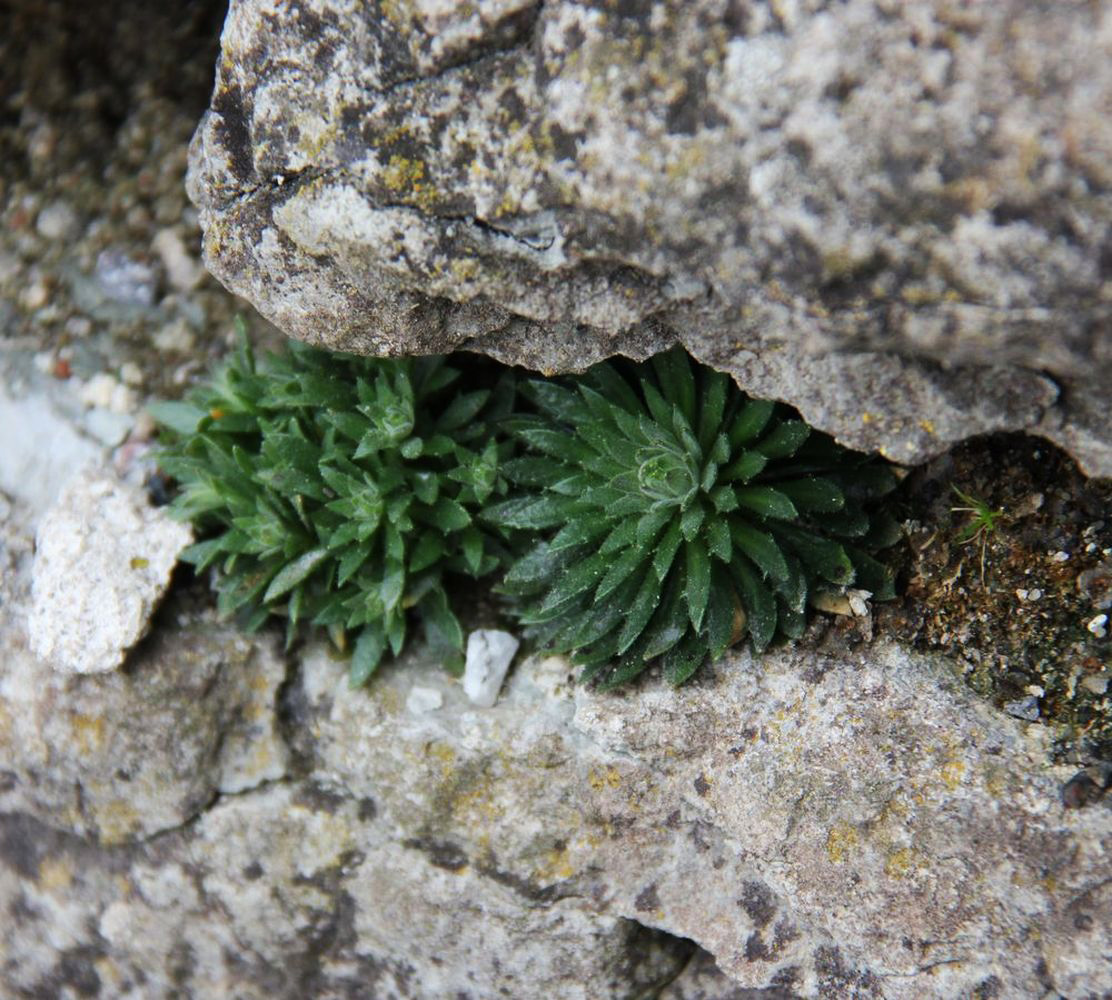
339, 491
679, 515
984, 523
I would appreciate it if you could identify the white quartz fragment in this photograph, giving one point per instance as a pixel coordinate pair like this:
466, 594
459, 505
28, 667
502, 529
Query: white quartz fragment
102, 562
489, 654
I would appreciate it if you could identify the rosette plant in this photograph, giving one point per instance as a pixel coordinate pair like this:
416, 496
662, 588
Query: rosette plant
338, 491
677, 515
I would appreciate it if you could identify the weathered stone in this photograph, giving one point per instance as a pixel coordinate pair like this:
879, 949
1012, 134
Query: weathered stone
103, 561
891, 214
827, 824
126, 754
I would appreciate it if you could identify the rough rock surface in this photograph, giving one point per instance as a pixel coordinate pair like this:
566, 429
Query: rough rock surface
893, 215
103, 558
826, 824
122, 756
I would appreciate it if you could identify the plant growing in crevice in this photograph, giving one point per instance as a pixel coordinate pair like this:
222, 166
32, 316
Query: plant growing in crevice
339, 491
982, 526
678, 515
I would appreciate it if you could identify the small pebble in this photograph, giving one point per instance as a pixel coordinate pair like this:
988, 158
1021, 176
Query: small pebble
1060, 557
859, 602
35, 296
1098, 626
105, 392
175, 338
183, 272
1025, 708
422, 700
57, 221
131, 373
489, 654
79, 327
124, 280
1095, 683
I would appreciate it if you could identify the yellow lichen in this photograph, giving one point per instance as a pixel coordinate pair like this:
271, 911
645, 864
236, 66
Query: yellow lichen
840, 842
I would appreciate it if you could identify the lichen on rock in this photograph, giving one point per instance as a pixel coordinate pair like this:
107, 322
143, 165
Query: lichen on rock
889, 215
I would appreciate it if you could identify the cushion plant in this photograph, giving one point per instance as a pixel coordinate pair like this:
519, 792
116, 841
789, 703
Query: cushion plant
339, 490
676, 515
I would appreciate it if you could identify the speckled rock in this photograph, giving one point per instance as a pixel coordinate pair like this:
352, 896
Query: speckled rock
827, 824
124, 755
823, 825
891, 214
103, 558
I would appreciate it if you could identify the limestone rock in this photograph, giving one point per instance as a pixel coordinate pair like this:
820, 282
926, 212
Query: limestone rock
103, 561
890, 214
123, 755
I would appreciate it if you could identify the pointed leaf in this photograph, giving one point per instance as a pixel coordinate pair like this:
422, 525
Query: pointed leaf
698, 581
291, 575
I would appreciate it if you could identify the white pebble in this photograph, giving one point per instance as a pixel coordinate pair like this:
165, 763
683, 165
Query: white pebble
1060, 557
183, 272
1098, 626
57, 221
859, 602
175, 337
489, 654
131, 373
34, 296
105, 392
423, 699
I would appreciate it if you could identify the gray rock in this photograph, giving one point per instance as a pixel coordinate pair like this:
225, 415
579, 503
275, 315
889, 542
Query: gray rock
889, 214
103, 561
124, 755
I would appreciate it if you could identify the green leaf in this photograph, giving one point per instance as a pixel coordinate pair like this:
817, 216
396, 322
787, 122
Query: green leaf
784, 440
366, 656
668, 624
718, 539
720, 612
620, 569
712, 406
449, 515
761, 548
872, 575
750, 421
471, 543
813, 494
429, 549
698, 581
393, 584
676, 380
683, 660
181, 418
691, 520
442, 628
825, 557
766, 501
759, 605
461, 410
294, 573
666, 550
639, 613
